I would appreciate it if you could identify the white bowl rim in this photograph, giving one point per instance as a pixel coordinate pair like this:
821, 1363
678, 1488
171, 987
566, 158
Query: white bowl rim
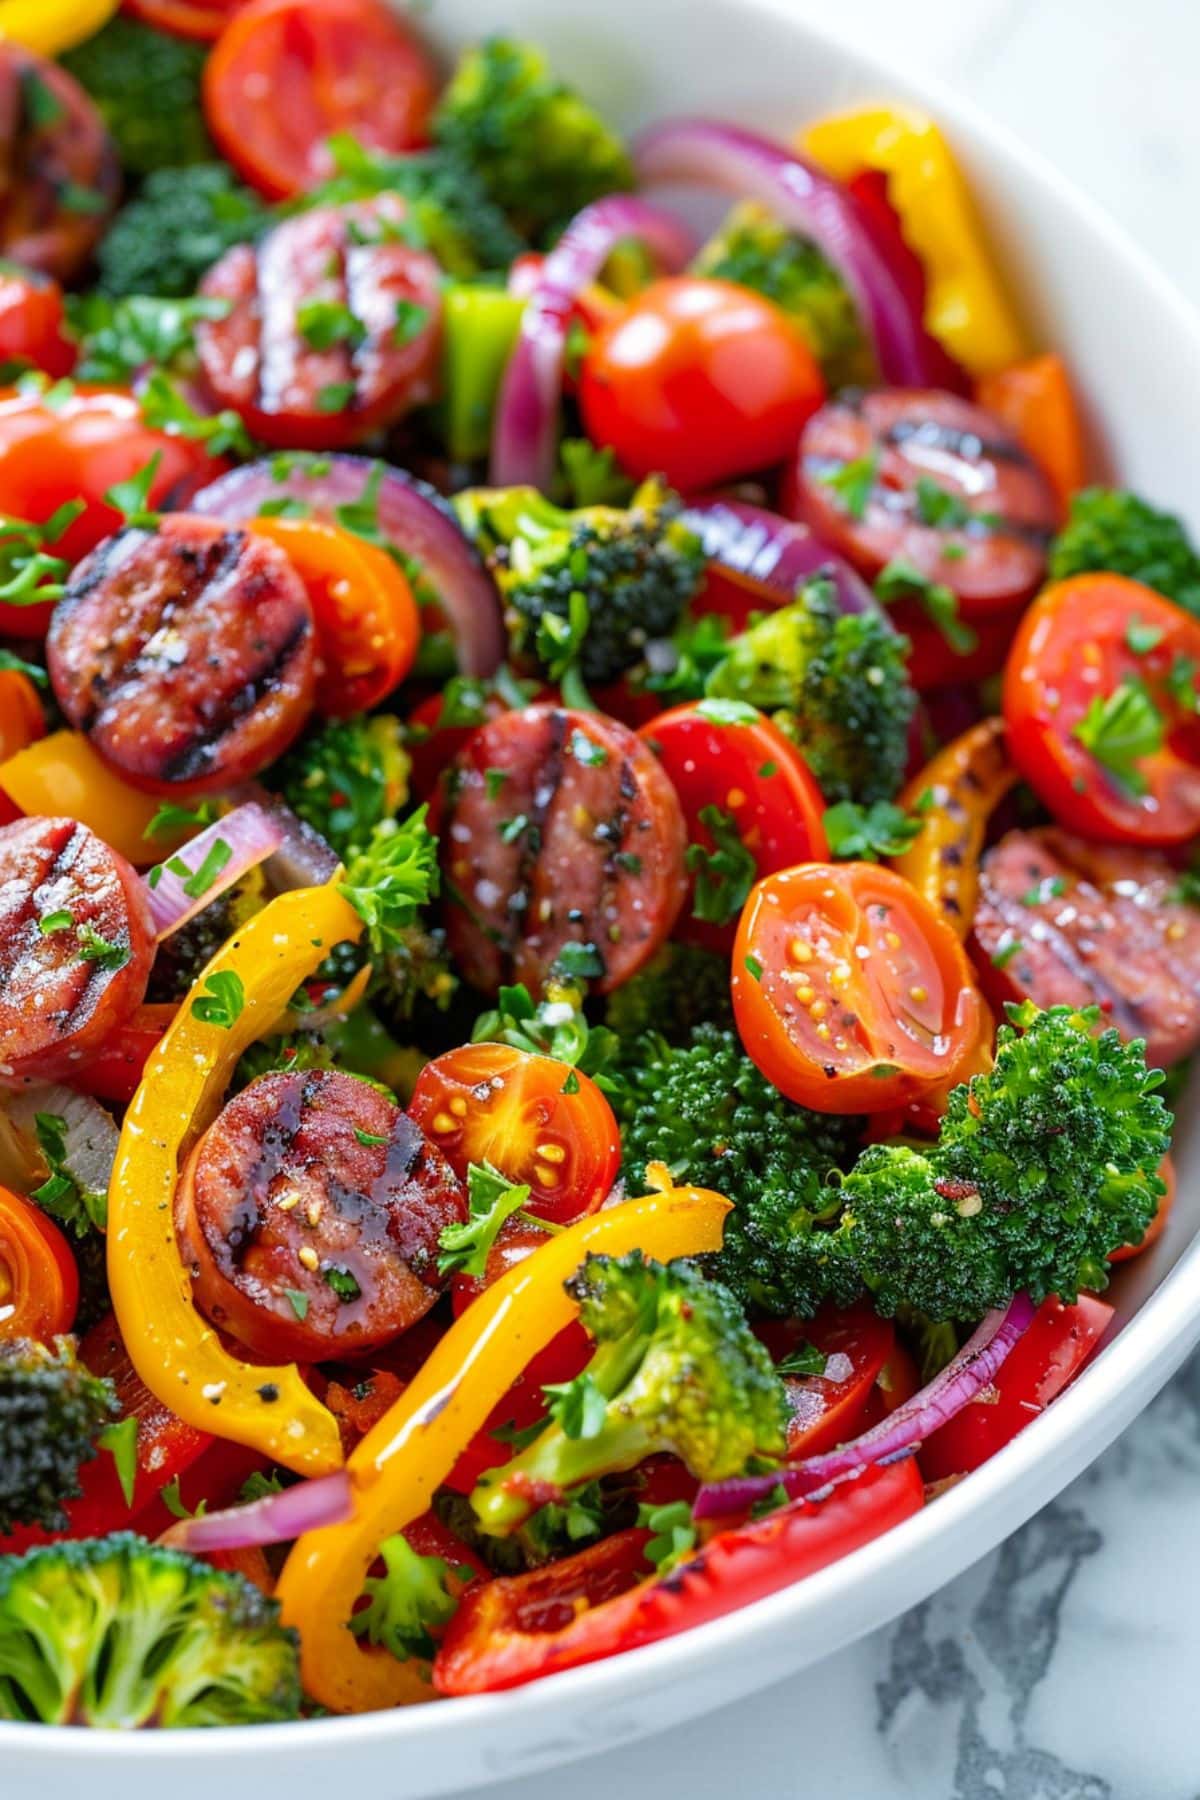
1158, 1328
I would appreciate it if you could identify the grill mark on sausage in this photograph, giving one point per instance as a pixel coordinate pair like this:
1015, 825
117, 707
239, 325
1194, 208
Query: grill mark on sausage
1125, 1014
193, 759
952, 438
902, 503
612, 833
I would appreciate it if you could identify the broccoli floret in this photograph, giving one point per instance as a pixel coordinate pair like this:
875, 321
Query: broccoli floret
51, 1413
708, 1113
1110, 529
680, 987
591, 586
1040, 1169
180, 223
345, 776
120, 1633
410, 1601
837, 683
753, 249
676, 1369
449, 208
146, 87
539, 150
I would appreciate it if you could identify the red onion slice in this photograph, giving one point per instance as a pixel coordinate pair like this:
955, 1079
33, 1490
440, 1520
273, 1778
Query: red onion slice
524, 437
412, 518
806, 200
208, 864
778, 554
963, 1378
275, 1519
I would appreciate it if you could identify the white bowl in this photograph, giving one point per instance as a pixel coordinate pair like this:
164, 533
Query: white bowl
1134, 347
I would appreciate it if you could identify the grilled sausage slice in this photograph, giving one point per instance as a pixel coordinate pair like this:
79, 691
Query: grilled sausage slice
59, 174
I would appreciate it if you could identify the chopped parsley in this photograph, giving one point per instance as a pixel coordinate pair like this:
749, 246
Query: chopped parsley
725, 874
1120, 730
491, 1199
853, 483
222, 1001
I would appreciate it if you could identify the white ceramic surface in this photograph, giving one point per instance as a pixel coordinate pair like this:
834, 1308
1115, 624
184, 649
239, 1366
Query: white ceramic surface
1136, 350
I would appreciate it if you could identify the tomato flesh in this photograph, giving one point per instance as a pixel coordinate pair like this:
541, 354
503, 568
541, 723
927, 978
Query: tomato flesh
39, 1282
827, 1409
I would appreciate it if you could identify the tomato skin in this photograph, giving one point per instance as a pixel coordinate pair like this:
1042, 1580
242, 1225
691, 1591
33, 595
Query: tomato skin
39, 1282
33, 322
825, 1410
203, 20
1072, 648
700, 381
934, 664
494, 1103
114, 1073
367, 622
345, 65
842, 1031
77, 449
751, 771
1037, 1368
22, 720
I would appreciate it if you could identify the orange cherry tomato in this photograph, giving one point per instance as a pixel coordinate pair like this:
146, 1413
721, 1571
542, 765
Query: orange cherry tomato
287, 75
850, 993
699, 381
531, 1117
725, 756
76, 446
1102, 706
22, 720
1158, 1223
39, 1283
368, 625
201, 19
1036, 400
33, 322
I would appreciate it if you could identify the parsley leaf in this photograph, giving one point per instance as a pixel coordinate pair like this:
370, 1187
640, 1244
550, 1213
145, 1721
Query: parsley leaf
491, 1199
222, 1001
901, 580
577, 1407
868, 833
120, 1440
132, 498
62, 1195
724, 874
391, 878
674, 1533
853, 483
1119, 730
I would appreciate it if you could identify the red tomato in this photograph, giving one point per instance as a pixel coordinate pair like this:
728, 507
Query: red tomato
22, 720
285, 76
529, 1116
39, 1282
727, 759
1037, 1368
699, 381
75, 448
1102, 705
850, 992
33, 323
114, 1073
202, 19
827, 1409
1158, 1223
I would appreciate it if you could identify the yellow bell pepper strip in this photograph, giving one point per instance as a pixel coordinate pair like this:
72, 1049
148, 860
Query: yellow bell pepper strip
61, 775
240, 996
397, 1466
52, 26
966, 308
956, 793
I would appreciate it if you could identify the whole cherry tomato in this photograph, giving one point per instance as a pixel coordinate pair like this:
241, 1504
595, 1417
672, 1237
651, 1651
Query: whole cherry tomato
850, 992
699, 381
33, 322
1102, 705
39, 1282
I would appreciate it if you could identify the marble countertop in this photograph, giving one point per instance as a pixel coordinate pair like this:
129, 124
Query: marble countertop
1062, 1666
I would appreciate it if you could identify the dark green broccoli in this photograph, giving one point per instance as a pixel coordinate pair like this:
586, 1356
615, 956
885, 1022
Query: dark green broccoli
146, 87
175, 228
1110, 529
837, 683
679, 988
676, 1370
1041, 1168
448, 203
345, 776
708, 1113
753, 249
52, 1411
538, 149
120, 1633
591, 587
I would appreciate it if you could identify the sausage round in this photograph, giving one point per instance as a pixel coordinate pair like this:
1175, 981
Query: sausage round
76, 944
186, 653
947, 489
559, 828
333, 327
60, 175
309, 1215
1065, 922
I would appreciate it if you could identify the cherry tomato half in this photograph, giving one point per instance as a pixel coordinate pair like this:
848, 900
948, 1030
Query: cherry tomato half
699, 381
285, 76
529, 1116
850, 993
367, 620
1102, 706
39, 1282
826, 1409
33, 322
76, 446
204, 20
1037, 1369
740, 783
